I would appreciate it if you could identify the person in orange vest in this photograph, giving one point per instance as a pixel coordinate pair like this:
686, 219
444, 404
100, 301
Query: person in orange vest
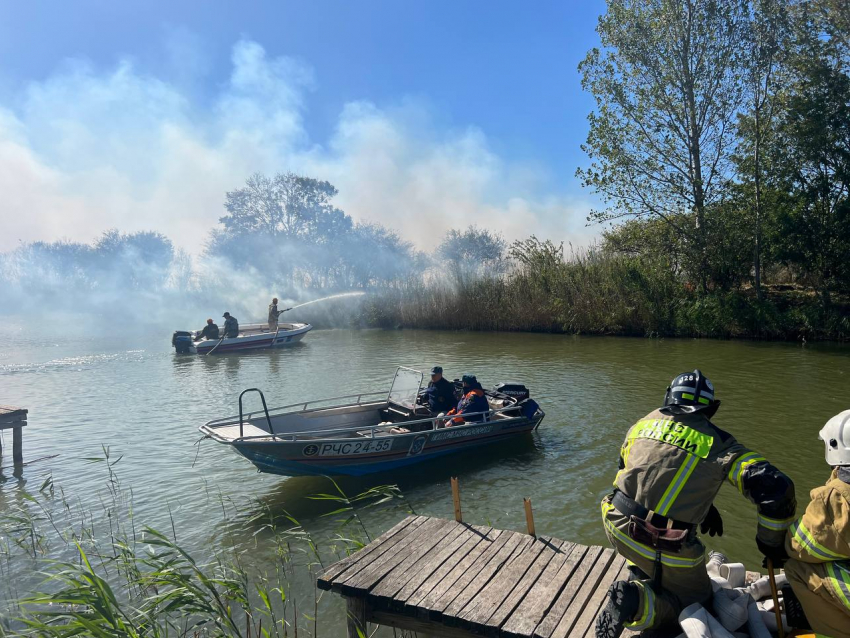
818, 543
472, 401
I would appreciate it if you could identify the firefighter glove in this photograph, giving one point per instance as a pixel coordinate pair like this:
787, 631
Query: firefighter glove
712, 524
774, 553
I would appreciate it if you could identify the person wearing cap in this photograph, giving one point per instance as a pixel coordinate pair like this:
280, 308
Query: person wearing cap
472, 401
818, 544
231, 326
440, 393
672, 464
210, 331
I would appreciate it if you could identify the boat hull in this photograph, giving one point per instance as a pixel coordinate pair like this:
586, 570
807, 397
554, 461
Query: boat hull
258, 341
358, 457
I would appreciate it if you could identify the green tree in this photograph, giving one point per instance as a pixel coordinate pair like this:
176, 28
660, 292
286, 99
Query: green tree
667, 91
765, 33
812, 153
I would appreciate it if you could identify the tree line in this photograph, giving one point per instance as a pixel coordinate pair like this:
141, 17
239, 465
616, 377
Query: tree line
721, 139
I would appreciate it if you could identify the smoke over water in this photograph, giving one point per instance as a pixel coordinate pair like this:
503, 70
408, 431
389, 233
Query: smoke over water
88, 149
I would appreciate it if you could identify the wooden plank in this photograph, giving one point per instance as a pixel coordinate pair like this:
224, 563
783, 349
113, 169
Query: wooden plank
442, 561
326, 578
487, 601
362, 580
550, 621
406, 623
544, 593
418, 559
594, 604
445, 592
14, 423
448, 572
9, 411
551, 551
622, 574
515, 544
583, 595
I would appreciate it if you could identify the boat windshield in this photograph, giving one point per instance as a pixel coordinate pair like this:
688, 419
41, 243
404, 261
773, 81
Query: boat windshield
405, 388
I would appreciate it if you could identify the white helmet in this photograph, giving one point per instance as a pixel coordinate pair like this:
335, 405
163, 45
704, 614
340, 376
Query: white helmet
836, 435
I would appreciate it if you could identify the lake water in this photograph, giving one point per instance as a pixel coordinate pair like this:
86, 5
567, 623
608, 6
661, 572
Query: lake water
131, 393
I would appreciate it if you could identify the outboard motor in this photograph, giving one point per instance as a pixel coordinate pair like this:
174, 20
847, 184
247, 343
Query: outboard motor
523, 397
516, 390
182, 341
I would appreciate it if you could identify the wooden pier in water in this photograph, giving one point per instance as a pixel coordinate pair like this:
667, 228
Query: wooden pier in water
447, 578
12, 418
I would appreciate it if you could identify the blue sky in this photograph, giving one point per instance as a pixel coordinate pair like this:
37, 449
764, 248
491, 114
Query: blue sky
468, 111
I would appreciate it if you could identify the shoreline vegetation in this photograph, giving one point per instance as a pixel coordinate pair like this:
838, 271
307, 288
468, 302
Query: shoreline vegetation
67, 570
594, 292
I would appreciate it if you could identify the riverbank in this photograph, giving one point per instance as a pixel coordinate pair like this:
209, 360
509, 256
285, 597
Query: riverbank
608, 296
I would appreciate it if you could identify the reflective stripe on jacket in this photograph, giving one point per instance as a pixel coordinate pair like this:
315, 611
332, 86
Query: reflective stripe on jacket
674, 462
822, 533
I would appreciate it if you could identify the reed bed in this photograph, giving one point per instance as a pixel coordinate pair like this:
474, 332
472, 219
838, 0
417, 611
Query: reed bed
70, 571
594, 292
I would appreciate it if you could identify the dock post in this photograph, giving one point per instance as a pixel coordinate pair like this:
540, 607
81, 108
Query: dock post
17, 445
456, 499
12, 418
529, 516
356, 614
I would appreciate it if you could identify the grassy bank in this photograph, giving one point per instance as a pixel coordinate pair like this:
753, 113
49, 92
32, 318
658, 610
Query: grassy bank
596, 293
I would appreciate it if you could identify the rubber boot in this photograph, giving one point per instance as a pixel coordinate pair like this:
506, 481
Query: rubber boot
622, 607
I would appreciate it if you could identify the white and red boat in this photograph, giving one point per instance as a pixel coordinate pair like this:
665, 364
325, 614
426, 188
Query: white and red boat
252, 336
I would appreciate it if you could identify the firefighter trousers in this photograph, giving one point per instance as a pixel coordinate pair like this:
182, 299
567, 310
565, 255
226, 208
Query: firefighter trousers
822, 589
684, 579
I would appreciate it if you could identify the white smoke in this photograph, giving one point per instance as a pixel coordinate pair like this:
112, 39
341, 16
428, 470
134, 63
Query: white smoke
87, 149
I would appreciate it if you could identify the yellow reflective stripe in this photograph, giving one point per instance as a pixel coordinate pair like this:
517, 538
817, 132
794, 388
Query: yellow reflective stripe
675, 488
839, 578
804, 537
673, 433
775, 523
736, 474
668, 560
647, 616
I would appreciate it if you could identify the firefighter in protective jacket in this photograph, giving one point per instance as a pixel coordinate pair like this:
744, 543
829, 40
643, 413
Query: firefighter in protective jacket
672, 464
818, 544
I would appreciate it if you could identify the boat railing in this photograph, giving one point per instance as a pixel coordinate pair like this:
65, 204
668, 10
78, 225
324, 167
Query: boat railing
293, 437
304, 406
265, 408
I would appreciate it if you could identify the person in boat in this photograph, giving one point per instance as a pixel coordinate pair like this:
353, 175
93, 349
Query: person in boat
210, 331
274, 313
440, 393
231, 326
671, 467
818, 544
473, 400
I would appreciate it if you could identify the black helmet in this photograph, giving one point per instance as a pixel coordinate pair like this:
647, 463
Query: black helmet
691, 389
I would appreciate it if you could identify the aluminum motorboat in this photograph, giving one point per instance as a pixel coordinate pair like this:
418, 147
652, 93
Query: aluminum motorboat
252, 336
369, 432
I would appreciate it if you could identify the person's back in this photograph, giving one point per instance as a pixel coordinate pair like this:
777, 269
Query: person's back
210, 330
231, 326
818, 544
473, 401
671, 466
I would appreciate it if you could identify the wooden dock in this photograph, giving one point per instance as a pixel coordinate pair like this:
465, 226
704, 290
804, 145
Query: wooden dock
12, 418
448, 578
